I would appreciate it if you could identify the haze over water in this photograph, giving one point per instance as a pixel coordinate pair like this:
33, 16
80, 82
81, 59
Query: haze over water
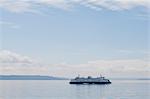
61, 89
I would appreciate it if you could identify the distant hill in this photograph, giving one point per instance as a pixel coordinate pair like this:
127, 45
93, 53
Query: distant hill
29, 77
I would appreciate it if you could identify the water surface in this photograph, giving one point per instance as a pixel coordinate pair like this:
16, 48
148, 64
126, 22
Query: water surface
61, 89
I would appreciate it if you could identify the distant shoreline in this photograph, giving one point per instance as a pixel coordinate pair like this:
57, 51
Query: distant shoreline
41, 77
29, 77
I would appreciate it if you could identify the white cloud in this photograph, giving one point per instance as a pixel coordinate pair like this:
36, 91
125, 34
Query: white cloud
117, 4
9, 57
12, 63
12, 59
32, 5
122, 68
15, 5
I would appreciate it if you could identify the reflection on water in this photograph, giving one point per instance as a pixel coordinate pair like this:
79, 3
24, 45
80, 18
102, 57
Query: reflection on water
13, 89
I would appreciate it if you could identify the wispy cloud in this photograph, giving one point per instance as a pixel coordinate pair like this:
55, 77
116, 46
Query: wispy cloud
9, 24
13, 63
32, 5
117, 4
133, 51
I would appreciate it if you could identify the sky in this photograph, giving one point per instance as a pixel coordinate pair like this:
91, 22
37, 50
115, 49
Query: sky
70, 37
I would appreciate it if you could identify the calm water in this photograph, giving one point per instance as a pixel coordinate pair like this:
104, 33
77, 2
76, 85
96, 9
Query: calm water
135, 89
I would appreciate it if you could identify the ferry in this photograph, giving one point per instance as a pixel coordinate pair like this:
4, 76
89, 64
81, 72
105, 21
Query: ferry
90, 80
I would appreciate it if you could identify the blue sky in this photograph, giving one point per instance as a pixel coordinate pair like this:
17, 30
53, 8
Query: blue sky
56, 34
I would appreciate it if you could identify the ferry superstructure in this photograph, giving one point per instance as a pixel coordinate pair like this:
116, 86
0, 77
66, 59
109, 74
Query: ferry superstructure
90, 80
